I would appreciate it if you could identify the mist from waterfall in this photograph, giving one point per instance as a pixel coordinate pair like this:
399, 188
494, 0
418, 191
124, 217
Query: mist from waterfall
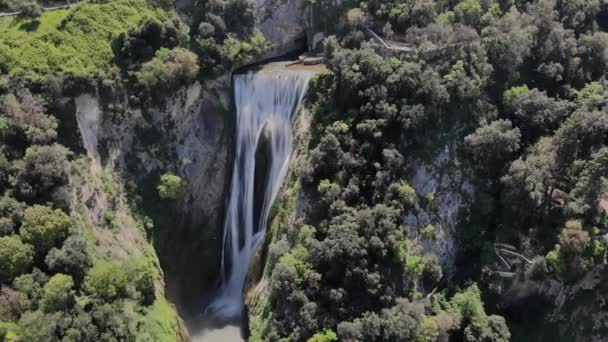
266, 103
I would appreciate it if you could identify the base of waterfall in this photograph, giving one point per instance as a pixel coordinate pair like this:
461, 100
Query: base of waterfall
225, 308
228, 333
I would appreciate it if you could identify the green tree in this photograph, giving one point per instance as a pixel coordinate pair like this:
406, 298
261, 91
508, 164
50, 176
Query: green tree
72, 258
325, 336
58, 293
44, 227
169, 68
493, 145
106, 281
29, 285
468, 303
170, 186
487, 329
44, 169
26, 112
12, 304
29, 10
16, 257
37, 327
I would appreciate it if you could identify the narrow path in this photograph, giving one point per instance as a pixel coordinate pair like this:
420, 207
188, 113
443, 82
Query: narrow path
44, 8
391, 45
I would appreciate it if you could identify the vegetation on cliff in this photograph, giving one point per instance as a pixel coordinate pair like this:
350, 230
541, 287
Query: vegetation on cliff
523, 86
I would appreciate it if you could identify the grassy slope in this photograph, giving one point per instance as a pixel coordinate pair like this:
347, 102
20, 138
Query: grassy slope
75, 41
80, 41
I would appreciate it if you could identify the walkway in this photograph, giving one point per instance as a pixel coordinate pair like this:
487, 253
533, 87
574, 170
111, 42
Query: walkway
45, 8
394, 46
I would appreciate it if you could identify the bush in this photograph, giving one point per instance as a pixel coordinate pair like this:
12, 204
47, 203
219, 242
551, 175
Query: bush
58, 293
26, 112
407, 194
143, 274
487, 329
170, 186
29, 285
71, 259
325, 336
29, 10
12, 304
16, 257
44, 227
141, 44
468, 303
44, 168
37, 327
7, 226
106, 281
169, 68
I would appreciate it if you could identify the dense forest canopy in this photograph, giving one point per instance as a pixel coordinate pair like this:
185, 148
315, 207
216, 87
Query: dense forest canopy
515, 90
522, 87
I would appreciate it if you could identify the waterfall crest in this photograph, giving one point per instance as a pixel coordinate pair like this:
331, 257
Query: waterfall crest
266, 103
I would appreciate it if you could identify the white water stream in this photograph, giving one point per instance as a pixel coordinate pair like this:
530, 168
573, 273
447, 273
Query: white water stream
266, 102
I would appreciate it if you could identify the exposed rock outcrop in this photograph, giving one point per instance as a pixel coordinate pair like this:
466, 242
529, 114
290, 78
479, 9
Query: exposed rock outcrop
189, 135
447, 192
282, 22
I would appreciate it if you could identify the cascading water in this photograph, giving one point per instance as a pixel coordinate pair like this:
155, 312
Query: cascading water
266, 102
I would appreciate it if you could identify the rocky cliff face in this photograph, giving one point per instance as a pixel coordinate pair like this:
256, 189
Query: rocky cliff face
448, 193
190, 134
551, 311
283, 23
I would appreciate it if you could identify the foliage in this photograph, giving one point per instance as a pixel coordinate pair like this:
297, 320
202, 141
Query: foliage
169, 68
488, 329
170, 186
72, 258
44, 170
77, 41
468, 303
26, 112
16, 257
29, 10
58, 293
44, 227
106, 281
492, 146
325, 336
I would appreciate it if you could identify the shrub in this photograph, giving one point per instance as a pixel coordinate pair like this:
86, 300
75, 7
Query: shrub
170, 186
169, 68
44, 168
407, 194
71, 258
7, 226
325, 336
16, 257
58, 293
468, 303
12, 304
429, 232
143, 274
36, 326
29, 10
356, 18
106, 281
29, 285
487, 329
44, 227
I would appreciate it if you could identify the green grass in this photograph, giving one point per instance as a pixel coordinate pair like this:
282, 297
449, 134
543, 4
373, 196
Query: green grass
160, 323
77, 41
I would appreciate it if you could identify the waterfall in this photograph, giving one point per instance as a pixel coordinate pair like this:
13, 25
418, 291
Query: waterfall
266, 103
